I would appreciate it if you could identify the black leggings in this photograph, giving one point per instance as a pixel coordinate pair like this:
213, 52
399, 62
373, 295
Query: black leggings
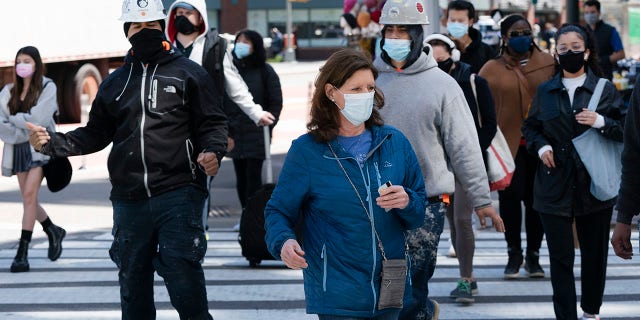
521, 190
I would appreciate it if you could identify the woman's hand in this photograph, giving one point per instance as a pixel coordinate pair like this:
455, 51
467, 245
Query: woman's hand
38, 136
292, 255
586, 117
547, 159
393, 197
490, 212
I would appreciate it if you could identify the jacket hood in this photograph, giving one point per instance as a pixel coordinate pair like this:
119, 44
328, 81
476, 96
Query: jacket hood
424, 62
200, 5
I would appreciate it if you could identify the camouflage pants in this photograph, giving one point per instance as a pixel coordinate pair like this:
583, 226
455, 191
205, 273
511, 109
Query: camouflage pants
423, 250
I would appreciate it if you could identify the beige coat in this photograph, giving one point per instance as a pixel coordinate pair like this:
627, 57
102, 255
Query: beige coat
512, 94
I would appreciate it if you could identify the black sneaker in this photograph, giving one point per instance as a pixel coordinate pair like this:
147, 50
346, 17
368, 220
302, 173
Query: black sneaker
474, 290
512, 270
532, 265
464, 294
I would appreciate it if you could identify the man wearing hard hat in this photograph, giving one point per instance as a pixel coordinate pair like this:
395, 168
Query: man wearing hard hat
436, 119
169, 132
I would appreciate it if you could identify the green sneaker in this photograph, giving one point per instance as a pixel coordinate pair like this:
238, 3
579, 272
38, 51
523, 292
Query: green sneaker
474, 290
463, 293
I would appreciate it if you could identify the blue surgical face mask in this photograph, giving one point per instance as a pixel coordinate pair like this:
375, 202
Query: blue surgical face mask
242, 50
520, 44
357, 107
591, 18
457, 29
397, 49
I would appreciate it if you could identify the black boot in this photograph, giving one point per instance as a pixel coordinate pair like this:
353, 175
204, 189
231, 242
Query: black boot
512, 270
20, 262
55, 235
532, 265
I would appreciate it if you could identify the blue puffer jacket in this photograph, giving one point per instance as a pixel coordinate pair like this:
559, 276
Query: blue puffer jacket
343, 277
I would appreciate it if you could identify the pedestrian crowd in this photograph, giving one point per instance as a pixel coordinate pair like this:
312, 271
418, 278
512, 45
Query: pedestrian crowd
362, 197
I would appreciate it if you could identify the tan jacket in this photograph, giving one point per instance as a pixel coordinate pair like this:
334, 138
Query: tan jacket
512, 94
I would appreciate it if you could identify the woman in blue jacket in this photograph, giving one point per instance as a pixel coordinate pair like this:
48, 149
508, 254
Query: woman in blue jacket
561, 191
347, 148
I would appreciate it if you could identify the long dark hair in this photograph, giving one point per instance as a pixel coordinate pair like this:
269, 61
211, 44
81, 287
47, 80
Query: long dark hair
258, 57
589, 43
325, 116
35, 87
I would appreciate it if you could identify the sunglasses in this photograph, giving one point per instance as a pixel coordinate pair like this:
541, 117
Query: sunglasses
514, 34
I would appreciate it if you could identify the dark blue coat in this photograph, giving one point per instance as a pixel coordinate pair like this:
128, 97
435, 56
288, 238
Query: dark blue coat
343, 277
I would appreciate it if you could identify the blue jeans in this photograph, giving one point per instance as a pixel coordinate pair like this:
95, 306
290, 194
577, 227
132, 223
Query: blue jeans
164, 234
423, 250
391, 315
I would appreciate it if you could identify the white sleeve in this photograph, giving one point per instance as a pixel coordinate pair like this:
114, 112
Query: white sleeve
544, 149
599, 122
238, 91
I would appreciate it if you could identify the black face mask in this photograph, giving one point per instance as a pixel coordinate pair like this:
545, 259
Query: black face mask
571, 61
184, 26
445, 65
147, 44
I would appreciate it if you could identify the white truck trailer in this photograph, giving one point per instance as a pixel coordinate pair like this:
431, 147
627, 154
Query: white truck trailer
79, 41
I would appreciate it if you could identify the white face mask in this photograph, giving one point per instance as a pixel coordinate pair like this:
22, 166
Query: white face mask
357, 107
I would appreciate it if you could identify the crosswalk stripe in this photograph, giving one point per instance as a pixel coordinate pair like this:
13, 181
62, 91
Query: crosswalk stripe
83, 283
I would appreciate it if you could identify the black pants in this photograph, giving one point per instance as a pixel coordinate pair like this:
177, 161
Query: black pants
163, 234
248, 177
593, 234
521, 190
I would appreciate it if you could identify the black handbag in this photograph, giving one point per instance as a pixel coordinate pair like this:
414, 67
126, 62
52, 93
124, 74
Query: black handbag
58, 173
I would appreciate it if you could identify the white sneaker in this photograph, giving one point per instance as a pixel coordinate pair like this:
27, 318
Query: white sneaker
596, 317
452, 250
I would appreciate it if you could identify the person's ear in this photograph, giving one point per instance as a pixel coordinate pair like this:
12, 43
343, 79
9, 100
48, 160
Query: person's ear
329, 91
586, 54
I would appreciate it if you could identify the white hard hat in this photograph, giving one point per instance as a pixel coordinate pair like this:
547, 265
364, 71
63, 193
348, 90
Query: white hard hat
142, 11
401, 12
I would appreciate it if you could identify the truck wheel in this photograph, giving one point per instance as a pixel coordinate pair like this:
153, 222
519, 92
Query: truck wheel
79, 91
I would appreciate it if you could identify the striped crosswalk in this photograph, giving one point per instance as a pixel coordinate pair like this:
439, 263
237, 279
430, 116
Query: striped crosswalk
83, 284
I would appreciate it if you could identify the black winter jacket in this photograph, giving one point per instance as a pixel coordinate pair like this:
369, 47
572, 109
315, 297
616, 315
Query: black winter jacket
159, 117
264, 85
564, 190
628, 200
462, 73
477, 53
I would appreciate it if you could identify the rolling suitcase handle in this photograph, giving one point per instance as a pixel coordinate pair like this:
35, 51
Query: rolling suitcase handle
267, 153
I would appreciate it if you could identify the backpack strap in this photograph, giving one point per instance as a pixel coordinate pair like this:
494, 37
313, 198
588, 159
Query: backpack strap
597, 93
472, 80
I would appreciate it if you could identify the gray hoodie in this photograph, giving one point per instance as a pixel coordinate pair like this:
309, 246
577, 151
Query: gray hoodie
429, 107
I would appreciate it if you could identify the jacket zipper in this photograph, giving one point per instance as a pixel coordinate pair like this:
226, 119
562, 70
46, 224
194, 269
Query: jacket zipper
142, 121
323, 256
192, 166
154, 93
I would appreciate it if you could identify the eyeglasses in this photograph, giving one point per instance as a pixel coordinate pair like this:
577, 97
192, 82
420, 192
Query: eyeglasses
566, 51
518, 33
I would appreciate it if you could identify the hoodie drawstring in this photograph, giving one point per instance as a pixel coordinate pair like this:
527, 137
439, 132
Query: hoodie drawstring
126, 83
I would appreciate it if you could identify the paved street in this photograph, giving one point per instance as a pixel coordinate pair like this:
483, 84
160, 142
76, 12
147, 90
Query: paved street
82, 284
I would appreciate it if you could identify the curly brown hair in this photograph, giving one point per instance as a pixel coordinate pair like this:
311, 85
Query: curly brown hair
325, 116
